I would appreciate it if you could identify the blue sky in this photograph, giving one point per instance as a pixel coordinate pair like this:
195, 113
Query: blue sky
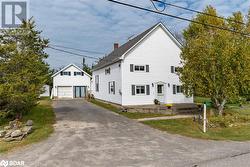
96, 25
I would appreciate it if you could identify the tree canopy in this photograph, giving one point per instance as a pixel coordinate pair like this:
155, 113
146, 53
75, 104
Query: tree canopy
216, 63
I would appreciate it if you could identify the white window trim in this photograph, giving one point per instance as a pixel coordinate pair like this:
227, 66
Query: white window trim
139, 67
145, 91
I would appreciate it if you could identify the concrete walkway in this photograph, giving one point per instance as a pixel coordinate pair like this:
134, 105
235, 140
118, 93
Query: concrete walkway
89, 136
165, 118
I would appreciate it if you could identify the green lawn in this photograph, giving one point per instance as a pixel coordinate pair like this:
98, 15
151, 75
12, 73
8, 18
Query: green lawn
187, 127
43, 118
126, 114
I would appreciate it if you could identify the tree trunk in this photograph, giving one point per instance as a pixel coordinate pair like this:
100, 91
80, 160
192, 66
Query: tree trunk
220, 106
220, 110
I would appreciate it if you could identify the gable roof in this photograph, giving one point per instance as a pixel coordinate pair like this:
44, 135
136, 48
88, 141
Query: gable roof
116, 55
68, 67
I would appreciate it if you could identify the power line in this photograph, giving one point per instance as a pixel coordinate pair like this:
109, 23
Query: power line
81, 50
72, 53
177, 17
196, 11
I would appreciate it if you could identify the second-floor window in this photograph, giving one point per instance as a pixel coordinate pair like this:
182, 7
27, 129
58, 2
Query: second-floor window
78, 73
107, 71
65, 73
139, 68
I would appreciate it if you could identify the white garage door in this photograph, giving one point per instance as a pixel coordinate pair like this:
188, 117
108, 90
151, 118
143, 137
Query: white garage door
65, 92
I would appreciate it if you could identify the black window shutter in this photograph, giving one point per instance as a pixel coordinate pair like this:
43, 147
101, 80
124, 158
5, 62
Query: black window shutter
148, 89
82, 73
109, 87
174, 89
172, 69
74, 73
69, 73
114, 87
131, 67
133, 90
147, 68
61, 73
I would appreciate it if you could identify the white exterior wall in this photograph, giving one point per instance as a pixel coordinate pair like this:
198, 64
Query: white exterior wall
160, 53
115, 75
71, 81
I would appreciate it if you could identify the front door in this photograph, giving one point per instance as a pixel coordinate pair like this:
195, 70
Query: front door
79, 91
160, 92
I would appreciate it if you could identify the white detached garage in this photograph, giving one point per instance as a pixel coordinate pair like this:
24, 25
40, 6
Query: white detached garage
71, 82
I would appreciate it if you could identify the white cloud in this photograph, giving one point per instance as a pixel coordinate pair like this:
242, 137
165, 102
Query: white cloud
96, 25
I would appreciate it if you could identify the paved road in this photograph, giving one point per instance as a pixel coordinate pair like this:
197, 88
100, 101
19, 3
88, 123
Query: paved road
87, 135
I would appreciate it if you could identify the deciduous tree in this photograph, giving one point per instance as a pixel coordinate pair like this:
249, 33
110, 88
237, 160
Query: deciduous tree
215, 62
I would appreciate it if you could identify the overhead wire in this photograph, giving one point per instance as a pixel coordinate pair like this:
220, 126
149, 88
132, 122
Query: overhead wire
196, 11
178, 17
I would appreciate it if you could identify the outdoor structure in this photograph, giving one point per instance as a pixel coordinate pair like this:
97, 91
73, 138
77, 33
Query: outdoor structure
71, 82
46, 91
141, 70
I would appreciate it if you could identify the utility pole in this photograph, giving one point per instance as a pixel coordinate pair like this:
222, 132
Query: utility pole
83, 63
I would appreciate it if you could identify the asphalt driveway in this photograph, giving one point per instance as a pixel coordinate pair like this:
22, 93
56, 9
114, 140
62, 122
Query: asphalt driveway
87, 135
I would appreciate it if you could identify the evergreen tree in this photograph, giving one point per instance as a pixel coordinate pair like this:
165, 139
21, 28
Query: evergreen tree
22, 68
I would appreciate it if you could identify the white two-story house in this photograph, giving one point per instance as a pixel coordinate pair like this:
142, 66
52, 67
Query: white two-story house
141, 70
71, 82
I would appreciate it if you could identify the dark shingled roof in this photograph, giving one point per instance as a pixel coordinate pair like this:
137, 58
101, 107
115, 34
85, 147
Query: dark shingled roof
117, 53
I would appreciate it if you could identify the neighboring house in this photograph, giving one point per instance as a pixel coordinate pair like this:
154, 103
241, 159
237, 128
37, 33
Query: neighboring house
46, 91
71, 82
141, 70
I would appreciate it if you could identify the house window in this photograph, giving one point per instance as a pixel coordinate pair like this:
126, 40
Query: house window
175, 69
66, 73
97, 83
112, 87
140, 90
177, 89
160, 89
139, 68
78, 73
107, 71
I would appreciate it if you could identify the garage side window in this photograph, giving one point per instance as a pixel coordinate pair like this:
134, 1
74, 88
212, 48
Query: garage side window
97, 83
